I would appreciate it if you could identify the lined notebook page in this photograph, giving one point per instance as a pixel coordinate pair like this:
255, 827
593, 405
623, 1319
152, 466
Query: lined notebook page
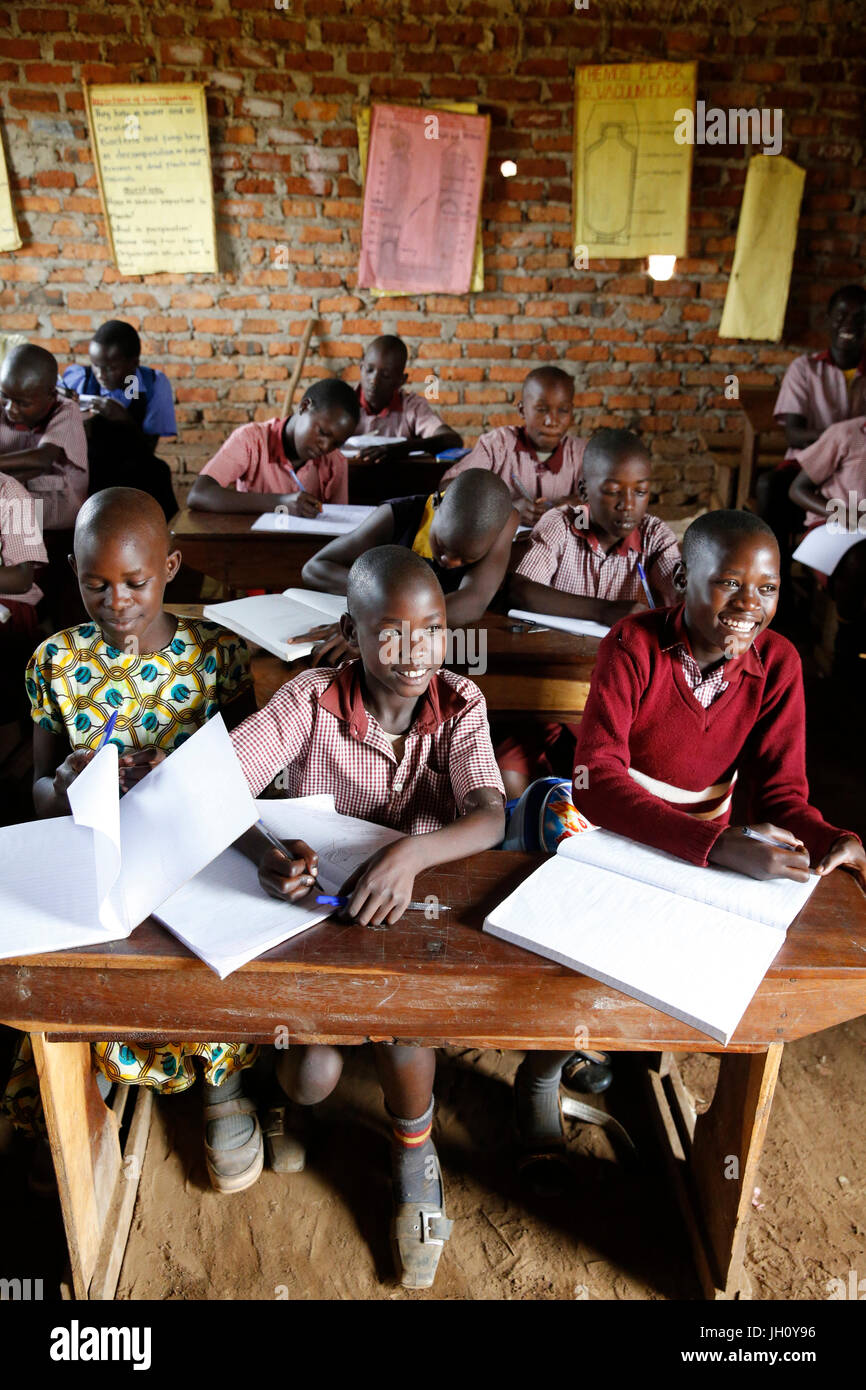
333, 520
688, 959
775, 902
48, 897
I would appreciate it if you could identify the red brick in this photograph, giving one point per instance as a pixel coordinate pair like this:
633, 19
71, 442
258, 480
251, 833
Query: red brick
43, 21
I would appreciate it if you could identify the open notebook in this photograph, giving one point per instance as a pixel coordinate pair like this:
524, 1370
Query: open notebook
93, 876
693, 942
335, 519
356, 442
582, 627
225, 917
274, 620
823, 547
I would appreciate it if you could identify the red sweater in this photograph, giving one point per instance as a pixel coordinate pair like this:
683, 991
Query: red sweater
643, 727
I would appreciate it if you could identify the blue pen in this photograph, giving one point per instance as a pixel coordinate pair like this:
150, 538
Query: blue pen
646, 587
330, 900
107, 731
293, 475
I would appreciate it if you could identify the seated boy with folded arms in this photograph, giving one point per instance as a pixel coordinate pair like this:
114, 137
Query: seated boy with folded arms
398, 741
388, 410
464, 535
132, 407
583, 563
538, 460
42, 440
684, 702
261, 464
831, 485
165, 677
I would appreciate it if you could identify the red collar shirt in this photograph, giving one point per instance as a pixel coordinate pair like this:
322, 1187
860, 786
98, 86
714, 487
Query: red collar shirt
570, 558
508, 452
317, 730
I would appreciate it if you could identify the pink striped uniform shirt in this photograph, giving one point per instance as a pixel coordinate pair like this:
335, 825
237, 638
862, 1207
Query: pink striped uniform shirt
569, 557
508, 452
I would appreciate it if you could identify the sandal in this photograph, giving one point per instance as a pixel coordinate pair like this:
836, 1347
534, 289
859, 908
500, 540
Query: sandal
287, 1152
419, 1231
234, 1170
587, 1072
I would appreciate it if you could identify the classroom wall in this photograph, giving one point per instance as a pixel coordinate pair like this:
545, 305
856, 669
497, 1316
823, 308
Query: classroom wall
284, 84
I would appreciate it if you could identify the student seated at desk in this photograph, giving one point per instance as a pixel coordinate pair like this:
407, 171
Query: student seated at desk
132, 408
684, 703
816, 392
539, 460
398, 741
42, 441
464, 534
388, 410
255, 470
583, 563
833, 471
165, 676
21, 550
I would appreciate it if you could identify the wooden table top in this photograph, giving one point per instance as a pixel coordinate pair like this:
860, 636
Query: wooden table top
434, 982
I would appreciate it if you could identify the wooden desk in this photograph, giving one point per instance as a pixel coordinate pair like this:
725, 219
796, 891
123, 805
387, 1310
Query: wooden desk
433, 983
379, 482
758, 419
223, 545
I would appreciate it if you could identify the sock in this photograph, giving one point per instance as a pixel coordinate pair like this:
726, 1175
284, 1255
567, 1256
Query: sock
536, 1092
414, 1178
230, 1131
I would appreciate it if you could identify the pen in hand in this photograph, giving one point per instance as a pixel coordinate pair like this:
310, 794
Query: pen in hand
767, 840
335, 900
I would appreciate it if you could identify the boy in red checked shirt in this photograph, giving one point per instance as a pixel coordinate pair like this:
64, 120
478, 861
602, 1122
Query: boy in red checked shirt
406, 745
261, 464
684, 703
388, 410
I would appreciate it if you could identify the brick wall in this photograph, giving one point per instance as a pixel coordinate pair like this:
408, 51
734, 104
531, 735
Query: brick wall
283, 88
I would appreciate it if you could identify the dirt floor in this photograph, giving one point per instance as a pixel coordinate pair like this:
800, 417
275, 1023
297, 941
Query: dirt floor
323, 1233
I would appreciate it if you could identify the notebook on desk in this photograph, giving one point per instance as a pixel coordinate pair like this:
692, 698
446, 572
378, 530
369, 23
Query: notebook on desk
335, 519
357, 442
582, 627
693, 942
273, 621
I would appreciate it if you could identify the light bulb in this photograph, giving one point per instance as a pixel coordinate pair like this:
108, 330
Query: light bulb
662, 267
508, 168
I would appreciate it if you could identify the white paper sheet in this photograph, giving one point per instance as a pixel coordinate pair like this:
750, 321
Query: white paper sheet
48, 899
274, 620
823, 547
581, 626
356, 442
335, 519
692, 961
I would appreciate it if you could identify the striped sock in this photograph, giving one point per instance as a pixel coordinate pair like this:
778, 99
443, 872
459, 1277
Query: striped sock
414, 1178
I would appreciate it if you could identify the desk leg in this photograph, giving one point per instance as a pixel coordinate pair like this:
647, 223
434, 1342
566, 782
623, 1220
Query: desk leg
714, 1159
97, 1183
747, 463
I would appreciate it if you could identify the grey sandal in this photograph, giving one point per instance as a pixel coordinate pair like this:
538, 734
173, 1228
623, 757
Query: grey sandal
419, 1231
234, 1170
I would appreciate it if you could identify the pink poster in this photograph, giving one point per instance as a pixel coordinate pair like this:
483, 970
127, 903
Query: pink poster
422, 199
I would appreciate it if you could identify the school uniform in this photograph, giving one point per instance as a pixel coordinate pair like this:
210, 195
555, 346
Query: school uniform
663, 745
20, 544
318, 734
509, 453
406, 414
413, 518
61, 492
836, 463
75, 680
120, 455
253, 459
813, 386
570, 558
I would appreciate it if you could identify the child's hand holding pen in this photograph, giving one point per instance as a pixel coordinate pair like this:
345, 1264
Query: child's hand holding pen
287, 869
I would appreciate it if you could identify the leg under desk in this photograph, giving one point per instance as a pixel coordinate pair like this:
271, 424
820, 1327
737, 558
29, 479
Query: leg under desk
96, 1181
714, 1158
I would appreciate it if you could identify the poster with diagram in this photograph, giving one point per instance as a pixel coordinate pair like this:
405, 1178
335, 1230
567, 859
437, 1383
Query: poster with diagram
632, 180
422, 199
152, 156
10, 238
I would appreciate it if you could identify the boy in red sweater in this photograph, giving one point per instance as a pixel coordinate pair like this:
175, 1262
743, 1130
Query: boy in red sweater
683, 702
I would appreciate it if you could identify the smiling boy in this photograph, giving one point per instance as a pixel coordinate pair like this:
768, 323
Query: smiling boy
539, 460
398, 741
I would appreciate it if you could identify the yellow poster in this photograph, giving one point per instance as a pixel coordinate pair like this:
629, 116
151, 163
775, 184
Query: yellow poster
466, 108
632, 180
764, 253
9, 237
152, 156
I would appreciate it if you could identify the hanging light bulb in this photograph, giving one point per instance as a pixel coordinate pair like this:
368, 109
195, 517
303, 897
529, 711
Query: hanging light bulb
661, 267
508, 168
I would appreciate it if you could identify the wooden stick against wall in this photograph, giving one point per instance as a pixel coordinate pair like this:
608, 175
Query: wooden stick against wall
299, 367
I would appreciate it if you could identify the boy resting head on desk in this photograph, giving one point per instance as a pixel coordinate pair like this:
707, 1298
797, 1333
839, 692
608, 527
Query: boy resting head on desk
683, 701
539, 460
388, 410
585, 562
129, 408
42, 440
164, 677
294, 463
398, 741
464, 535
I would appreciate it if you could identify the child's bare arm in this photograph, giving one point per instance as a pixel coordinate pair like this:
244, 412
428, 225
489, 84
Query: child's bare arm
480, 584
55, 768
16, 579
328, 570
207, 495
542, 598
805, 494
798, 433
